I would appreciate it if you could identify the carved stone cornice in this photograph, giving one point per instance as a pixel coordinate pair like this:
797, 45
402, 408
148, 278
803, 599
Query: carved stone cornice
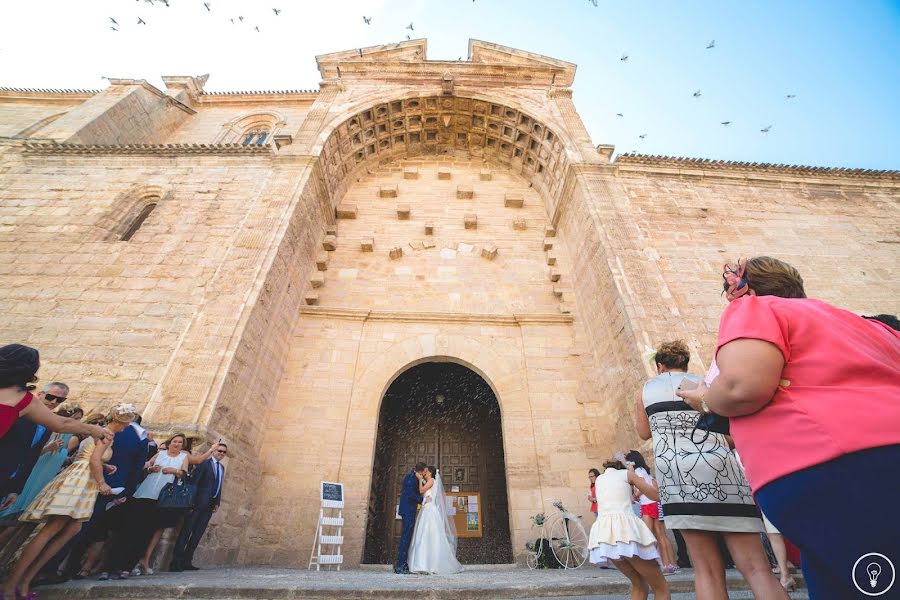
258, 96
736, 170
513, 319
50, 147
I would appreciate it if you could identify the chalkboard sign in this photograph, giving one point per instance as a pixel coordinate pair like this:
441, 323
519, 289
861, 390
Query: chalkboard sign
332, 492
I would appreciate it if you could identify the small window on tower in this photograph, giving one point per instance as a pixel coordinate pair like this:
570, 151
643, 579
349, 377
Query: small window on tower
138, 221
248, 139
261, 139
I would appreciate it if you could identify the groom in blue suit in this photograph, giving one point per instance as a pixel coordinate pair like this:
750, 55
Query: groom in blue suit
410, 498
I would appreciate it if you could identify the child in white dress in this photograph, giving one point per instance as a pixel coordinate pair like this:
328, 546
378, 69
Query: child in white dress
618, 536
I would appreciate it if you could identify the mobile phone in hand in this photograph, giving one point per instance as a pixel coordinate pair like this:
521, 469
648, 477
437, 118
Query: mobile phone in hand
687, 384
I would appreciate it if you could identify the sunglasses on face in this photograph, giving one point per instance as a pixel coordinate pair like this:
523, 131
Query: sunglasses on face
221, 452
56, 399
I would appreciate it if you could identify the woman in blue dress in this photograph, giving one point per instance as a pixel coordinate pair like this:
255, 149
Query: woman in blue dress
48, 465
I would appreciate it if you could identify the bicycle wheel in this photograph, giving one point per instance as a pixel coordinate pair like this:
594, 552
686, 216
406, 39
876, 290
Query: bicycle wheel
531, 559
568, 541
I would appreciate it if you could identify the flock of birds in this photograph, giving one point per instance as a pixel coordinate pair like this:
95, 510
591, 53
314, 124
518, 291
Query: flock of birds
115, 26
697, 94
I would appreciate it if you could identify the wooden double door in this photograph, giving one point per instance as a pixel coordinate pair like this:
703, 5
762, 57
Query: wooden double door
444, 415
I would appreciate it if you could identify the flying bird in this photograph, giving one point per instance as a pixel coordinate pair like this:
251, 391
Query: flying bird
166, 2
113, 28
766, 129
697, 94
141, 21
726, 123
367, 20
620, 115
208, 9
410, 27
594, 2
624, 58
711, 45
113, 21
232, 21
277, 11
256, 28
407, 37
359, 50
643, 135
791, 96
241, 19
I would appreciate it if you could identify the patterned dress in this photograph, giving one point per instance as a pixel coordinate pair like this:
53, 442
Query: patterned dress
701, 483
72, 493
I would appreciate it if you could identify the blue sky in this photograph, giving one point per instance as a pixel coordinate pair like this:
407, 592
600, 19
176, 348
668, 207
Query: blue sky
841, 59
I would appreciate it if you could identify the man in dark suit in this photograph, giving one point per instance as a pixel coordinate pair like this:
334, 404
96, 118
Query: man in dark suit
410, 498
208, 478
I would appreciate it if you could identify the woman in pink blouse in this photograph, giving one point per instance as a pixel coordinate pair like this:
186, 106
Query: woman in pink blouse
813, 394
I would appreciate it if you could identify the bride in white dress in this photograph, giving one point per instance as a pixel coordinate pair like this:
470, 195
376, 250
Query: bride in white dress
433, 548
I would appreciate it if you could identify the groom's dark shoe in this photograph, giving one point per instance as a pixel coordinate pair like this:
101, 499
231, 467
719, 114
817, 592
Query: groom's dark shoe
405, 570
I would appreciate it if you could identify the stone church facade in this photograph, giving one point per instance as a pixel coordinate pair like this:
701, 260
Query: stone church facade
265, 267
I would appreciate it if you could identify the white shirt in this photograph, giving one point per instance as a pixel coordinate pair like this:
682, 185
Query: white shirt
640, 471
155, 482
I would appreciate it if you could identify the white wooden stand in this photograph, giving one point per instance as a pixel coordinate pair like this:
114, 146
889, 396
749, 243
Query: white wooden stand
329, 534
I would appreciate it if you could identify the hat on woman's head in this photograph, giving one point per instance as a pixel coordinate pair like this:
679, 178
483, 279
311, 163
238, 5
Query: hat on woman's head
123, 413
18, 365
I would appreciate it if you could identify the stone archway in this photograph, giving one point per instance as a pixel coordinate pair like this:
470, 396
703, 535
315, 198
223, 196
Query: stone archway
446, 415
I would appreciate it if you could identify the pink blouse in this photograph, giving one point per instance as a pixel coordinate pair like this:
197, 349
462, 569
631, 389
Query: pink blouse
840, 386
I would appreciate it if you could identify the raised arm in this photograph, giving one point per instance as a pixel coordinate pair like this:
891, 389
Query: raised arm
196, 460
40, 414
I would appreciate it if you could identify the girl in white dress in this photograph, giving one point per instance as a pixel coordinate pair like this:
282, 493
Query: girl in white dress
433, 548
618, 536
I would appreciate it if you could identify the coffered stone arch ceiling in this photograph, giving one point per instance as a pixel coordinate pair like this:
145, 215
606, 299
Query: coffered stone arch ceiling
440, 125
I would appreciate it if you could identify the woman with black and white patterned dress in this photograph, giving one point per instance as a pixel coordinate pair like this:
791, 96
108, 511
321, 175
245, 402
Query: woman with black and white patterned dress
702, 488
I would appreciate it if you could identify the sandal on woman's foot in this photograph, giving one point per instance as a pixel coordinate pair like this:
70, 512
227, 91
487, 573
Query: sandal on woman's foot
123, 575
789, 585
82, 574
145, 570
104, 576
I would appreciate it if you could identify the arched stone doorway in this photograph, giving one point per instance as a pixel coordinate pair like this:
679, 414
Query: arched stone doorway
446, 415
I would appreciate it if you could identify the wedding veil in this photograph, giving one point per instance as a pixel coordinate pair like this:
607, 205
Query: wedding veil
440, 502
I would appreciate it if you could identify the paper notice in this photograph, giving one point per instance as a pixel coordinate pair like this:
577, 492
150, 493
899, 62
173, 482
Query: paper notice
451, 510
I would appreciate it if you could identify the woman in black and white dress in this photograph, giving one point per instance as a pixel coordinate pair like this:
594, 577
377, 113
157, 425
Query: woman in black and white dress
702, 488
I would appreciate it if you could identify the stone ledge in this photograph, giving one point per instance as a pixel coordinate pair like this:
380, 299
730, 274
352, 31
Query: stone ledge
47, 147
513, 319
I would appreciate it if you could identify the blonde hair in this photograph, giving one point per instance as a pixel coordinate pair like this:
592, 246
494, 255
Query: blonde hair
767, 276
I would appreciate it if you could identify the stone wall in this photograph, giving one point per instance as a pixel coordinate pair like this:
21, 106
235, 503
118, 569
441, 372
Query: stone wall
375, 316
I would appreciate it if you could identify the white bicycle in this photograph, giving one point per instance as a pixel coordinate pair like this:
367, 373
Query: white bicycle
563, 533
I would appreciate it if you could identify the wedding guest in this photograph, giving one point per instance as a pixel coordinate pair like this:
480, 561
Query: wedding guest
593, 474
48, 464
621, 538
689, 465
18, 371
61, 506
208, 478
812, 392
129, 454
146, 521
25, 444
650, 512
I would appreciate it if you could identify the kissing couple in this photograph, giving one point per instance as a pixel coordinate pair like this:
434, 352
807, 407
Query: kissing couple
428, 540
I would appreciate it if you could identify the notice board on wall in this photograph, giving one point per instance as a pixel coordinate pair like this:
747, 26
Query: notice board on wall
465, 509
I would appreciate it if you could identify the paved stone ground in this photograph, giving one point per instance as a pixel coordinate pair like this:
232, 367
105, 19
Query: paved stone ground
494, 583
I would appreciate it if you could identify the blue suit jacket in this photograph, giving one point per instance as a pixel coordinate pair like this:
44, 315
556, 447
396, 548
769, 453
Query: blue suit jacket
203, 478
129, 456
410, 496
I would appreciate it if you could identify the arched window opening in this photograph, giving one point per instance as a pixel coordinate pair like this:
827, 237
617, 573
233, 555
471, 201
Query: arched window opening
138, 221
256, 137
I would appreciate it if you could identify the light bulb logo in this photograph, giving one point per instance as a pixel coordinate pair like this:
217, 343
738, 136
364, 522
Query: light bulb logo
874, 570
873, 574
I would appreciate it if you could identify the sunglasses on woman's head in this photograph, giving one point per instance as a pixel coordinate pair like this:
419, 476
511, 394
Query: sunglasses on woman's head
57, 399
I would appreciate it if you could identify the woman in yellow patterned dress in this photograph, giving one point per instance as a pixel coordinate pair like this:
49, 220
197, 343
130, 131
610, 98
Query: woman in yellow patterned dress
63, 505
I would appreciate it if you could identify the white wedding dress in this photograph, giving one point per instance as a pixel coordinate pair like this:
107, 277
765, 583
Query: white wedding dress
433, 548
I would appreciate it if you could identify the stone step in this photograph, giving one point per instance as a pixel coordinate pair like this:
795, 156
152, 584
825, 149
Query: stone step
496, 582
